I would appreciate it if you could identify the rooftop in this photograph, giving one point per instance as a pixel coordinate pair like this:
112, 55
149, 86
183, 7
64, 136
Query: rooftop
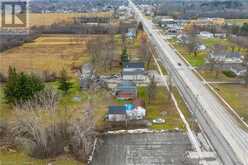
117, 110
134, 65
135, 72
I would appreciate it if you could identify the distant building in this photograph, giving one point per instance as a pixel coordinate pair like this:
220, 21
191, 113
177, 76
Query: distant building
226, 57
131, 33
87, 74
239, 70
201, 47
206, 34
133, 71
126, 90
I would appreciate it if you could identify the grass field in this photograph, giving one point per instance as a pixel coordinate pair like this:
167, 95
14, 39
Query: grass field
195, 61
7, 158
237, 21
47, 53
236, 96
161, 107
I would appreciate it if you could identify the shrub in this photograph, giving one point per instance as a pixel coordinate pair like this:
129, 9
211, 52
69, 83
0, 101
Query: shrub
64, 83
21, 87
229, 74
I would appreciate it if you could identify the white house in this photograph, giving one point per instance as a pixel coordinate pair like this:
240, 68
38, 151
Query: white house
138, 113
206, 34
133, 71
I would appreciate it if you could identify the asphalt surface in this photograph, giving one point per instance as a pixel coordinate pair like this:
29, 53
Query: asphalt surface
142, 149
228, 138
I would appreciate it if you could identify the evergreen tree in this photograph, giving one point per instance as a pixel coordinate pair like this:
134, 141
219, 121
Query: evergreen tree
64, 84
21, 87
124, 56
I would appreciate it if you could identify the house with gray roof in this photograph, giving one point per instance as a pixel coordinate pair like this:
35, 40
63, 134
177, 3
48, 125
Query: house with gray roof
134, 71
239, 70
226, 57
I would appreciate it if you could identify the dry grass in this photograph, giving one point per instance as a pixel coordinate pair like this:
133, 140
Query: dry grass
236, 96
48, 52
38, 19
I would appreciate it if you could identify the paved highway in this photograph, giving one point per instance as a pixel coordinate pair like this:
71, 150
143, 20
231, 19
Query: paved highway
222, 129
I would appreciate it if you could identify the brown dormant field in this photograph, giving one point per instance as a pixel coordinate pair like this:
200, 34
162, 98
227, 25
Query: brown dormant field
44, 19
37, 19
47, 53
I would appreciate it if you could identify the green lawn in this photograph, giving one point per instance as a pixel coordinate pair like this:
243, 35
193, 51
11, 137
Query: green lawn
195, 61
229, 45
237, 21
236, 96
161, 107
211, 76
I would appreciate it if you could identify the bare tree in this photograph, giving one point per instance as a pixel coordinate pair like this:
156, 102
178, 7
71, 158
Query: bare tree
83, 133
152, 88
245, 62
46, 100
123, 40
192, 44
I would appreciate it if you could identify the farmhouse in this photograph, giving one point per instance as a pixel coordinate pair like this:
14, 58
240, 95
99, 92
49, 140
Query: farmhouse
133, 72
126, 90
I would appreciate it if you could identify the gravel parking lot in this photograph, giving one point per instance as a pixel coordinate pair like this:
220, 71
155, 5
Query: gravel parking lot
142, 149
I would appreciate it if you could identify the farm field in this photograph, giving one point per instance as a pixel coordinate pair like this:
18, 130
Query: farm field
48, 53
46, 19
